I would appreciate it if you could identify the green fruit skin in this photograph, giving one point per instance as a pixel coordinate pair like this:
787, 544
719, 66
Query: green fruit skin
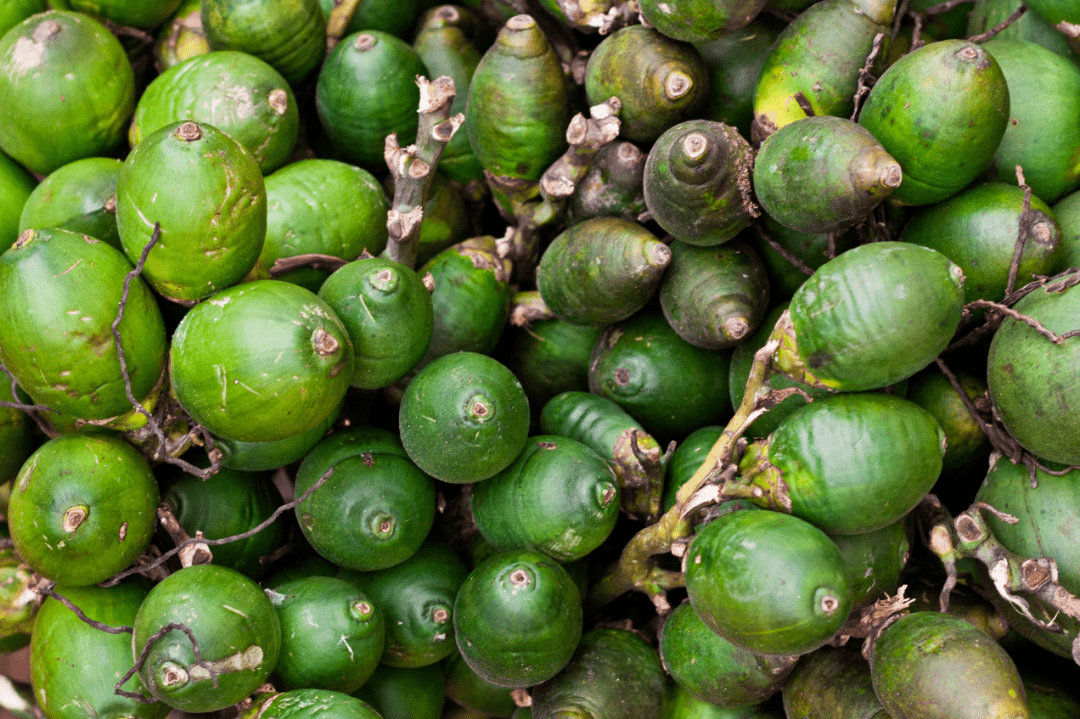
235, 92
930, 665
977, 229
417, 598
518, 618
17, 437
819, 54
468, 689
15, 11
941, 111
18, 604
181, 38
78, 76
305, 214
53, 280
262, 456
687, 458
680, 704
399, 693
1032, 27
700, 20
595, 421
376, 507
332, 634
832, 683
697, 182
100, 473
481, 418
16, 188
1046, 513
1057, 11
212, 210
471, 298
1067, 212
231, 502
549, 357
713, 669
613, 186
601, 271
388, 313
607, 653
823, 174
396, 18
768, 582
310, 704
856, 461
714, 296
660, 379
1051, 169
811, 248
357, 113
235, 624
558, 497
518, 106
289, 35
875, 560
734, 61
74, 667
80, 196
660, 81
1033, 382
445, 49
144, 14
876, 314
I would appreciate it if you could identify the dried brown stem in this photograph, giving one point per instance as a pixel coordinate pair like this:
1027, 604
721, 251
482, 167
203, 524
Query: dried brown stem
528, 307
1029, 321
413, 167
784, 252
49, 590
138, 696
866, 78
313, 260
946, 6
804, 104
1024, 223
983, 37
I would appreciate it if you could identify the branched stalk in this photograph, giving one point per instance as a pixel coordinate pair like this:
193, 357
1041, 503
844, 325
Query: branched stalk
413, 167
635, 567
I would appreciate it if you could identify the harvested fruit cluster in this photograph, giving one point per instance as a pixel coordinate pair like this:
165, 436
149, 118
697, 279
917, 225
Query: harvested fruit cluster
709, 359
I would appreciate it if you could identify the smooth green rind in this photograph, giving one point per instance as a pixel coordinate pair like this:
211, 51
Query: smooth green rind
305, 212
876, 314
358, 114
660, 81
237, 629
681, 704
388, 313
144, 14
16, 188
548, 357
82, 508
464, 417
1031, 27
1047, 514
768, 582
1035, 383
15, 11
332, 634
74, 667
399, 693
697, 182
823, 174
832, 683
1043, 134
930, 665
310, 704
713, 297
810, 248
660, 379
688, 456
875, 560
417, 598
977, 229
67, 67
700, 20
471, 691
261, 456
601, 271
941, 112
289, 35
518, 618
207, 193
182, 37
1067, 212
18, 438
558, 497
80, 197
519, 106
283, 374
375, 508
819, 54
235, 92
229, 503
1057, 11
576, 694
51, 281
713, 669
855, 462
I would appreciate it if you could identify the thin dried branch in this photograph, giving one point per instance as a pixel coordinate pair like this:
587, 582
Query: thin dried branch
528, 307
48, 590
1024, 223
983, 37
313, 260
784, 252
866, 77
804, 104
138, 696
946, 6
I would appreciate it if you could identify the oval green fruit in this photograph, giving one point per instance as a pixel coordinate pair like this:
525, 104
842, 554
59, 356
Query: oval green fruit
144, 14
289, 35
16, 187
80, 196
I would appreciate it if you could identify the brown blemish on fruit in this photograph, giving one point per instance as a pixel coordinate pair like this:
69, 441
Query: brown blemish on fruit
622, 376
325, 344
74, 517
188, 132
279, 101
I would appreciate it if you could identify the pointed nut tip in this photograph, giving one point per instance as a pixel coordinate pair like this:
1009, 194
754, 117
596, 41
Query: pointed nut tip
188, 132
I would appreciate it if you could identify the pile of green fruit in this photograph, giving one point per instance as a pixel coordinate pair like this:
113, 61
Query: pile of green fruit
567, 359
